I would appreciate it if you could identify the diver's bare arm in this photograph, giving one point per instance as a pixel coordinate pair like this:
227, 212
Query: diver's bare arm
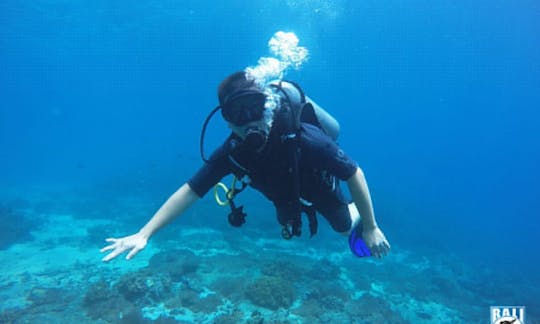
362, 199
173, 207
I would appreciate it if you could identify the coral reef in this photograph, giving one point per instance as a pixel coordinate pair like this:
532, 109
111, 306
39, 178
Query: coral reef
212, 278
271, 292
235, 317
282, 269
99, 292
178, 263
230, 287
144, 284
123, 300
103, 302
371, 309
310, 310
323, 270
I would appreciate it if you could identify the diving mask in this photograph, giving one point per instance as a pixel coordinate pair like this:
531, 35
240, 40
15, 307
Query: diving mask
243, 108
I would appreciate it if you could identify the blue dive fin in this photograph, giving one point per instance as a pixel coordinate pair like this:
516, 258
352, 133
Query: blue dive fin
356, 243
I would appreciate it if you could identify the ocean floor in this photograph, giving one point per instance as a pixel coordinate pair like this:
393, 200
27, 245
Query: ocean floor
50, 272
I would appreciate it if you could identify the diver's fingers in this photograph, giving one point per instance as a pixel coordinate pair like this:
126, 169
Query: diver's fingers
387, 245
111, 246
375, 250
107, 248
112, 255
380, 250
384, 249
132, 253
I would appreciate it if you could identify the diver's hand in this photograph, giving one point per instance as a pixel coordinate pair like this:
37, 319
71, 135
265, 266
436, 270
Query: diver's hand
376, 241
135, 243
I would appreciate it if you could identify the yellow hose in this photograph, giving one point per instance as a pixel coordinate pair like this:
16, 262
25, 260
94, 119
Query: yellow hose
229, 193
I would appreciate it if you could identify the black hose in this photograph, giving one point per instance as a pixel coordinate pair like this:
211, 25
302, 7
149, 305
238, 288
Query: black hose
203, 131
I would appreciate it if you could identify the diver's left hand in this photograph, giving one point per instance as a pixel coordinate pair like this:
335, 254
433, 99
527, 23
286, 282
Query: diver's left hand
376, 241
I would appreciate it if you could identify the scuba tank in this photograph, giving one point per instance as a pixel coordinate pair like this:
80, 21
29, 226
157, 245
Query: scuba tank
306, 109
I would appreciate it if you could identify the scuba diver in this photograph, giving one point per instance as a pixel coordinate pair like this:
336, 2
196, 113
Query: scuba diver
283, 145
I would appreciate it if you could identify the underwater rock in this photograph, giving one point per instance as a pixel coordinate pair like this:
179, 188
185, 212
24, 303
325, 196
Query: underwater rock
177, 262
234, 317
11, 315
310, 310
47, 296
16, 226
132, 287
371, 309
281, 269
192, 300
424, 316
230, 287
327, 293
255, 318
136, 317
323, 270
97, 293
136, 285
332, 303
97, 233
270, 292
207, 305
103, 302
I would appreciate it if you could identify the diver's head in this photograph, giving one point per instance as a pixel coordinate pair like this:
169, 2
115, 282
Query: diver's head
243, 106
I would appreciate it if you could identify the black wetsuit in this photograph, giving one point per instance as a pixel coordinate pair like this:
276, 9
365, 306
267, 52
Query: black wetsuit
321, 165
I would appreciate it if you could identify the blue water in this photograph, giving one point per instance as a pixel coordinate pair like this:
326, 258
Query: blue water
438, 103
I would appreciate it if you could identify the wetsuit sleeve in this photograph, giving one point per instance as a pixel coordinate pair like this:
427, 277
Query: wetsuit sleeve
319, 151
210, 173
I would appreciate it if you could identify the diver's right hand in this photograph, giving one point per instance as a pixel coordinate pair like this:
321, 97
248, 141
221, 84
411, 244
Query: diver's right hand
135, 243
